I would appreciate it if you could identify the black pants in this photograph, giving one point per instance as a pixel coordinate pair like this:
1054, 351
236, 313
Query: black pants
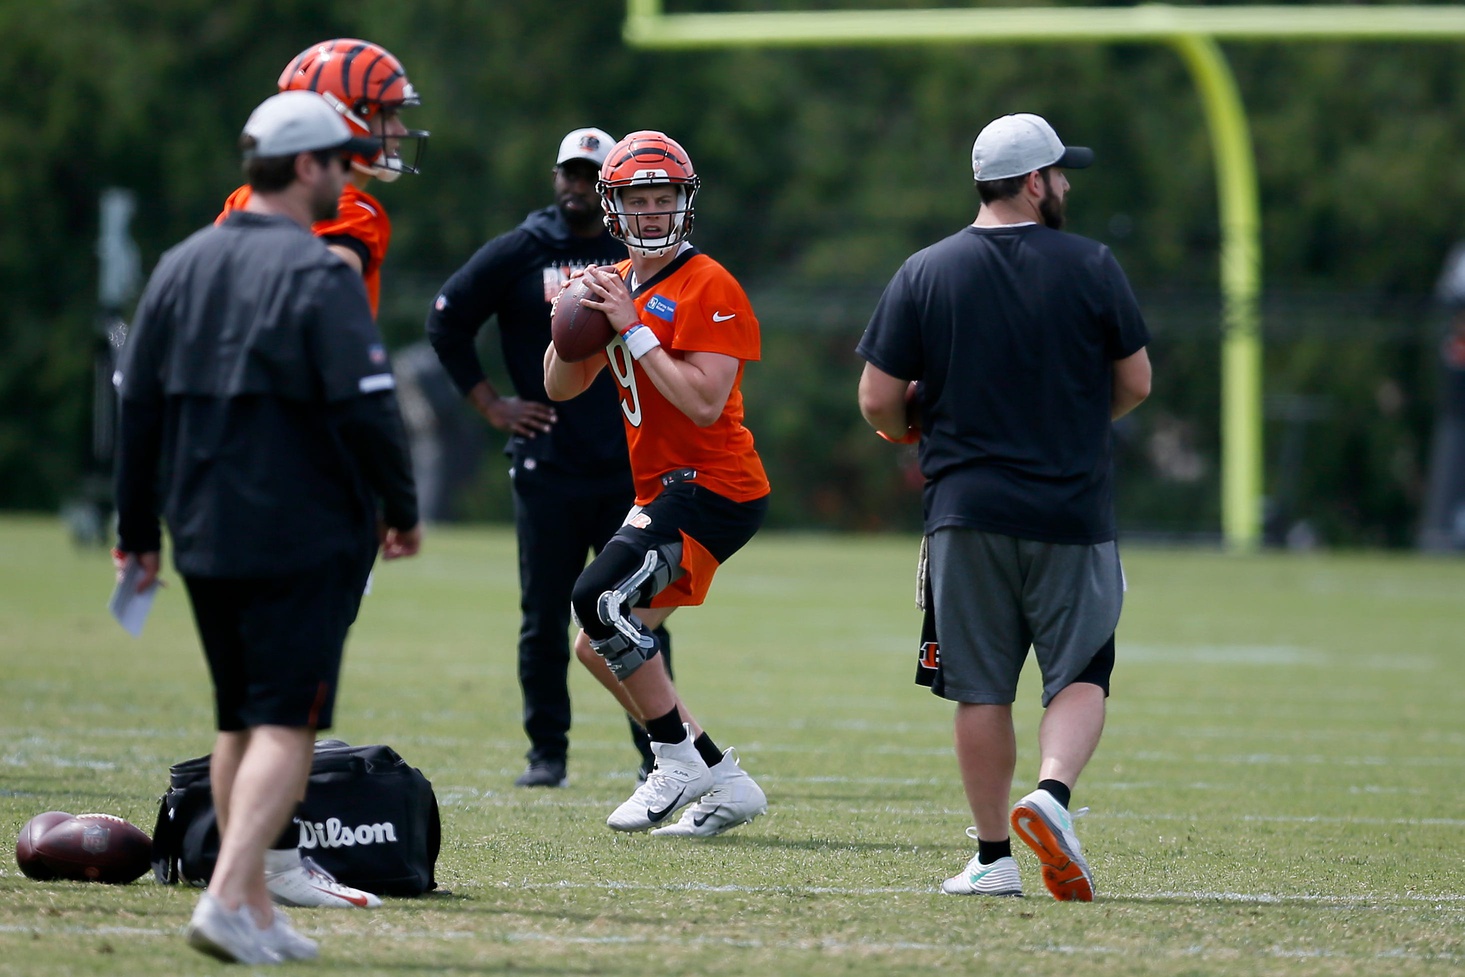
560, 520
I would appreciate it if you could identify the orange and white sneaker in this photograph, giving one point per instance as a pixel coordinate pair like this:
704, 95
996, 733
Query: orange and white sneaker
1046, 827
307, 885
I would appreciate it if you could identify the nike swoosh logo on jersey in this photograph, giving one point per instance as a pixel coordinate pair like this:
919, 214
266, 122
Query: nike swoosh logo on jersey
703, 819
719, 317
656, 816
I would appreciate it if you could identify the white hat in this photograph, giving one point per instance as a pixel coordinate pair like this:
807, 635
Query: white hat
1016, 145
301, 122
588, 144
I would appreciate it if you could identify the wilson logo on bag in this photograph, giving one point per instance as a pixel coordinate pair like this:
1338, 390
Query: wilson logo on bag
332, 834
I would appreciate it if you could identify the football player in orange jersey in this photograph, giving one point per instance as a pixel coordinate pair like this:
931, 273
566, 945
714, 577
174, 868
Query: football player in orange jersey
369, 87
685, 331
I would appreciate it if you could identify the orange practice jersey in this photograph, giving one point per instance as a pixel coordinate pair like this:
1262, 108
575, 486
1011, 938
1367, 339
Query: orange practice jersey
359, 217
700, 307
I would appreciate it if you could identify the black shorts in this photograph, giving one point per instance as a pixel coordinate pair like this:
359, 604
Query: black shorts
710, 527
274, 644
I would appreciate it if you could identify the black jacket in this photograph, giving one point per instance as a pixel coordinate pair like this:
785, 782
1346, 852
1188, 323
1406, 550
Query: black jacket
255, 378
514, 277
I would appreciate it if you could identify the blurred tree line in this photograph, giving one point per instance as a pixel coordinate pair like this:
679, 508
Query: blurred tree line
822, 170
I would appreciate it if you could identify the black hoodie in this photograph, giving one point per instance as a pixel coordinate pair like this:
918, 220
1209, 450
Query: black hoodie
514, 276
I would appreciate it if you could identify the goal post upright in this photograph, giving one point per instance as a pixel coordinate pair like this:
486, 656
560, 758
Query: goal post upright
1193, 32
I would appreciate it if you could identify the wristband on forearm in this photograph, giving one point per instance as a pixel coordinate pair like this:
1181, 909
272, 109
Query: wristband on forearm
640, 340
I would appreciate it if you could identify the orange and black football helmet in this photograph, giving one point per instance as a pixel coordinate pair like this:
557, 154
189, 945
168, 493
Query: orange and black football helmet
368, 86
648, 158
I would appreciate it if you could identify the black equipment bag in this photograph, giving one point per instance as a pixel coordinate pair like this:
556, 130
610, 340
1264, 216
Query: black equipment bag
368, 818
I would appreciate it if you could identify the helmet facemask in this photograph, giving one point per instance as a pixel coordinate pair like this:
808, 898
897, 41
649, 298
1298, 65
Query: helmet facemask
400, 153
675, 224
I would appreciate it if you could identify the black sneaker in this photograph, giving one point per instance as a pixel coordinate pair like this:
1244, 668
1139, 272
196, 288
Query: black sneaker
543, 773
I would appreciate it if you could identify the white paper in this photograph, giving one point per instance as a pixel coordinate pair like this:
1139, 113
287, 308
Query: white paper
129, 607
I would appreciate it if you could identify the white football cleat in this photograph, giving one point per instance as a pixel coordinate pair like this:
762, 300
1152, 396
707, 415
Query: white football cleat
679, 778
309, 886
1000, 878
735, 798
1046, 827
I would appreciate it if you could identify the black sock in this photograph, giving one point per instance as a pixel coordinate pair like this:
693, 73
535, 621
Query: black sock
989, 851
667, 729
1058, 789
289, 838
708, 750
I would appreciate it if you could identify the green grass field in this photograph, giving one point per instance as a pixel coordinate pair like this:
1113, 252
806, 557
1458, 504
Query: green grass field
1279, 790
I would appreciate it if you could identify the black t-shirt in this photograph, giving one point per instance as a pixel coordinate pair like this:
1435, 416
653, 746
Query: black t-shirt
255, 374
1012, 333
514, 277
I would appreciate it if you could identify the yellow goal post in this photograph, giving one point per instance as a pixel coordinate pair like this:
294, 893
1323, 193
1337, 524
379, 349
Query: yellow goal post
1194, 33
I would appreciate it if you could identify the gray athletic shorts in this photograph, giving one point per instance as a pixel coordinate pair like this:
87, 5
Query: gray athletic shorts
997, 595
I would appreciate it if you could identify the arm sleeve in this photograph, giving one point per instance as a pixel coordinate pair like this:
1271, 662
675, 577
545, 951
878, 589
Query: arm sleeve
892, 340
371, 429
356, 379
140, 445
353, 244
140, 427
473, 293
346, 350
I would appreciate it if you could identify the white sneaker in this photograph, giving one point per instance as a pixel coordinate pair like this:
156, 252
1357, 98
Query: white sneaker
1000, 878
679, 778
735, 798
1046, 827
230, 935
307, 885
287, 942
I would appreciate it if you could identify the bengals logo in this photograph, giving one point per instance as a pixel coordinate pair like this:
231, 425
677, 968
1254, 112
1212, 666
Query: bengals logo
930, 654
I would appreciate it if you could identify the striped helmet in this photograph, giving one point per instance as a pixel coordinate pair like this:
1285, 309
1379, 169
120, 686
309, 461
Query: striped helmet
367, 85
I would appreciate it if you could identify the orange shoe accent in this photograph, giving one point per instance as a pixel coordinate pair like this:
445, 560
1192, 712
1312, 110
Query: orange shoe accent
1065, 879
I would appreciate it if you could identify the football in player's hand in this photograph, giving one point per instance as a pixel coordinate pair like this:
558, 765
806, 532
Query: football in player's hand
85, 848
579, 332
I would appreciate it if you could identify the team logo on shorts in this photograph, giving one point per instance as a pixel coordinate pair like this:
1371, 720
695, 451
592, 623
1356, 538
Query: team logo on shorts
930, 654
639, 521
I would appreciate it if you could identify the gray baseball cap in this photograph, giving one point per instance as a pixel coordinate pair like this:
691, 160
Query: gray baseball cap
588, 144
301, 122
1016, 145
